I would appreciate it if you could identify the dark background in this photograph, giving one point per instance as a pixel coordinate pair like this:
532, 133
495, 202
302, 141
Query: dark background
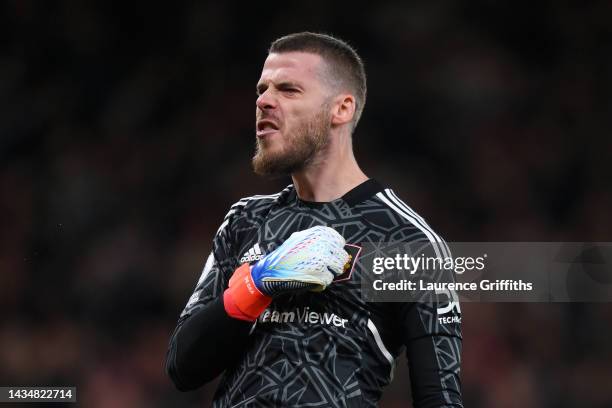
126, 132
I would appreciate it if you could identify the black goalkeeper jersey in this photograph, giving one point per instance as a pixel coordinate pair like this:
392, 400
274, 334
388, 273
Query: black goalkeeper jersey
328, 349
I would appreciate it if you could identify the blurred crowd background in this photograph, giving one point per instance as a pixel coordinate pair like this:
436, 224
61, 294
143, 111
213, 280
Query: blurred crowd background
126, 132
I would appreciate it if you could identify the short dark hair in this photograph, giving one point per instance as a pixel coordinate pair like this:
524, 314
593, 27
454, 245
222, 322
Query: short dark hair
345, 65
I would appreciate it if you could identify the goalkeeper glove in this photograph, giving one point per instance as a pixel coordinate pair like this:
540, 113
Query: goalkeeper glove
309, 259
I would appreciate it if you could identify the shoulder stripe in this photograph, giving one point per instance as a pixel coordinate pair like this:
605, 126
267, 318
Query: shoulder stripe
223, 225
244, 201
413, 220
437, 240
409, 210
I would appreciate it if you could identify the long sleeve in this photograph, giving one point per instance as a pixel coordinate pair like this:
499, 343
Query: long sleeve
206, 340
431, 333
204, 345
433, 350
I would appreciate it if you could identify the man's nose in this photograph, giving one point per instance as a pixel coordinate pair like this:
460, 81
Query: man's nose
265, 101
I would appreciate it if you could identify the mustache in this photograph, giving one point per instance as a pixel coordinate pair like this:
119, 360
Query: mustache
267, 116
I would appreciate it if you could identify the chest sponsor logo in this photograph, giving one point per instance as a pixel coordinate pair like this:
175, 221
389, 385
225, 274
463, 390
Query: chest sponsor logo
302, 315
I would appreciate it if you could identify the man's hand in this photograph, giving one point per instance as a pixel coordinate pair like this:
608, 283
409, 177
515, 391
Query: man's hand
309, 259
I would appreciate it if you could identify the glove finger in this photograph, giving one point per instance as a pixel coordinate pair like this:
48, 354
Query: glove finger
337, 261
326, 276
296, 236
340, 255
334, 237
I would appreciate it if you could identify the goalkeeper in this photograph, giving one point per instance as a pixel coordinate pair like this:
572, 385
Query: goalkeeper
278, 308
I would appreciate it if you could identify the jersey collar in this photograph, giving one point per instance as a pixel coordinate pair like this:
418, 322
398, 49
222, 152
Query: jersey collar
355, 196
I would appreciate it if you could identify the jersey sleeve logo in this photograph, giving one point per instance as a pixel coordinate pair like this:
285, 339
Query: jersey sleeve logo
449, 311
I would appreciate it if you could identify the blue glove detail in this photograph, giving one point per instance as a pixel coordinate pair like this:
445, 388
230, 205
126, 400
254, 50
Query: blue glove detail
309, 259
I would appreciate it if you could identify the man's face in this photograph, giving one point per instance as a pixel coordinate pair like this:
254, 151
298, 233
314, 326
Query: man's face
293, 113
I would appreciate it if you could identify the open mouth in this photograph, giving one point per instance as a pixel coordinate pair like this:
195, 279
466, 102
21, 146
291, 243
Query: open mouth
265, 127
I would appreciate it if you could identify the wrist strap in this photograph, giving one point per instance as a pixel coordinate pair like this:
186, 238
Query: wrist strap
242, 299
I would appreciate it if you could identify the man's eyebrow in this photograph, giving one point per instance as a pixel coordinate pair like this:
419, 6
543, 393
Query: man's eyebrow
262, 86
288, 84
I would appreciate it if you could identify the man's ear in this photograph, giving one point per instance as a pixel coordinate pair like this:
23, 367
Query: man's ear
343, 109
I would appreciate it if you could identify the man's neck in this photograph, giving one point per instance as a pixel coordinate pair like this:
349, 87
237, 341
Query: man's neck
329, 177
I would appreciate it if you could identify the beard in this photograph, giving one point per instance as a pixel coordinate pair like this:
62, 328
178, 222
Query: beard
299, 149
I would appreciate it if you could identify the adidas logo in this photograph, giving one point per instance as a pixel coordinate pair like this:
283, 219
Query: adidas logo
253, 254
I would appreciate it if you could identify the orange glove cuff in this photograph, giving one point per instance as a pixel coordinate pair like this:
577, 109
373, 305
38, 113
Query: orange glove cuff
242, 300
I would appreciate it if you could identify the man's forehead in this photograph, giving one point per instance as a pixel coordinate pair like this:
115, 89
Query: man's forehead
289, 64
